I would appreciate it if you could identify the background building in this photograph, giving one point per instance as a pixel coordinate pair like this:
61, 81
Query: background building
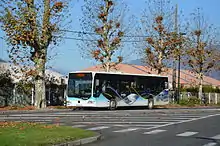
14, 94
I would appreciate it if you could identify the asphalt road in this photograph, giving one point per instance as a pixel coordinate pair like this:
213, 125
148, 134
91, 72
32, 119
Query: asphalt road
176, 127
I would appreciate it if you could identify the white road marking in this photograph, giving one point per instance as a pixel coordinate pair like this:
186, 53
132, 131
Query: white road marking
187, 134
168, 115
135, 125
161, 118
125, 122
149, 121
78, 126
216, 137
126, 130
98, 128
154, 131
210, 144
181, 122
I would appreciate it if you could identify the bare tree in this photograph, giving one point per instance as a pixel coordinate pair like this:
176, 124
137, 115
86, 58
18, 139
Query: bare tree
158, 27
104, 26
32, 27
201, 56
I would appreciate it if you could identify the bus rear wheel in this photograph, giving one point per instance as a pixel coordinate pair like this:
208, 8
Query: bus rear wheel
112, 104
150, 103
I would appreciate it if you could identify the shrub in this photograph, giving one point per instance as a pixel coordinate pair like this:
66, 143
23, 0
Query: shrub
205, 88
6, 88
192, 101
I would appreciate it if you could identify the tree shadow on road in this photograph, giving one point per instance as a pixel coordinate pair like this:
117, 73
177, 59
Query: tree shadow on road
210, 139
118, 109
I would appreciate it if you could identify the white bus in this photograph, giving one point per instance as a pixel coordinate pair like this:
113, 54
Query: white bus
112, 90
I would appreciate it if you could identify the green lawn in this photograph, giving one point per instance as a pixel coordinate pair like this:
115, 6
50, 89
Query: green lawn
32, 134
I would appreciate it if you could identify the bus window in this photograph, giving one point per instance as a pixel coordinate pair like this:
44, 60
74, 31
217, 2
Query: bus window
125, 88
97, 82
97, 88
79, 85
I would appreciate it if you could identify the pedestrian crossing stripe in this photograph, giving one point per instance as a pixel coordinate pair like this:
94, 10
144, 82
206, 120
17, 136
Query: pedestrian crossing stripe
126, 130
210, 144
217, 137
79, 126
98, 128
155, 131
188, 133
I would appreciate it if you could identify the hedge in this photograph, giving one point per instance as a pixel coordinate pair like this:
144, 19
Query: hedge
205, 89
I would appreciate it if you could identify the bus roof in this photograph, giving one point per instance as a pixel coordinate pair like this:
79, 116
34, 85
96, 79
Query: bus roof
118, 73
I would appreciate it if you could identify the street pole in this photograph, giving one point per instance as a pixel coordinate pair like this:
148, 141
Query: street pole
32, 96
178, 90
179, 64
174, 60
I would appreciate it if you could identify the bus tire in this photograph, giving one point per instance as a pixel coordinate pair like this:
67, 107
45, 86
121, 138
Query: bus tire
150, 103
112, 104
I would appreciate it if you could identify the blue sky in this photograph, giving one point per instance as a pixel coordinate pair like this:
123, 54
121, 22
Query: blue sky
68, 56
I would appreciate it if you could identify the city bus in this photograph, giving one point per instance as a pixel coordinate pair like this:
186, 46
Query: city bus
112, 90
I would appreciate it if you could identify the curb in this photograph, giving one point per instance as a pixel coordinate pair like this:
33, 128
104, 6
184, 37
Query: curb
33, 111
81, 141
208, 108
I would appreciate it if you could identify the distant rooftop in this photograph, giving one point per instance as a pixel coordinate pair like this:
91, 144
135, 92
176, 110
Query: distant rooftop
56, 76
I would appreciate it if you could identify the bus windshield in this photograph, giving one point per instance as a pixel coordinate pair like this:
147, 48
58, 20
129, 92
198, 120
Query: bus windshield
79, 85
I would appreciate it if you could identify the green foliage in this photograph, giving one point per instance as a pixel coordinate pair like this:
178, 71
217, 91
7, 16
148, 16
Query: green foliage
210, 89
31, 28
6, 88
205, 89
192, 101
190, 89
24, 88
37, 134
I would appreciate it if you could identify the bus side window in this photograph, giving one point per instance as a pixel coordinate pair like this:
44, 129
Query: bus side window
97, 82
133, 84
125, 88
97, 88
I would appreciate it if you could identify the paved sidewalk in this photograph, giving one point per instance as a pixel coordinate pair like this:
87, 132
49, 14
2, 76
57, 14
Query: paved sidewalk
33, 111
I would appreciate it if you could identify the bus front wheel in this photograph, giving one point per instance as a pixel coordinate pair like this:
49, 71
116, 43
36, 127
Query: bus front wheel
150, 103
112, 104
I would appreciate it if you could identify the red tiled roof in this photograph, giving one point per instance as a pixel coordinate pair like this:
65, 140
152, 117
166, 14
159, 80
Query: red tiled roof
186, 77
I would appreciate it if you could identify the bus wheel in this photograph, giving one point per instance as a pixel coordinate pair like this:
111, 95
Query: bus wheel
112, 104
150, 103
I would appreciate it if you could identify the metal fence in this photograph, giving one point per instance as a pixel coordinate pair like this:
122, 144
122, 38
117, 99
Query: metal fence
211, 98
13, 96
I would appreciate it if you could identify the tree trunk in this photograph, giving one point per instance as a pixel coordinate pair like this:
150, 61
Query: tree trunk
160, 58
40, 92
200, 85
107, 69
108, 63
